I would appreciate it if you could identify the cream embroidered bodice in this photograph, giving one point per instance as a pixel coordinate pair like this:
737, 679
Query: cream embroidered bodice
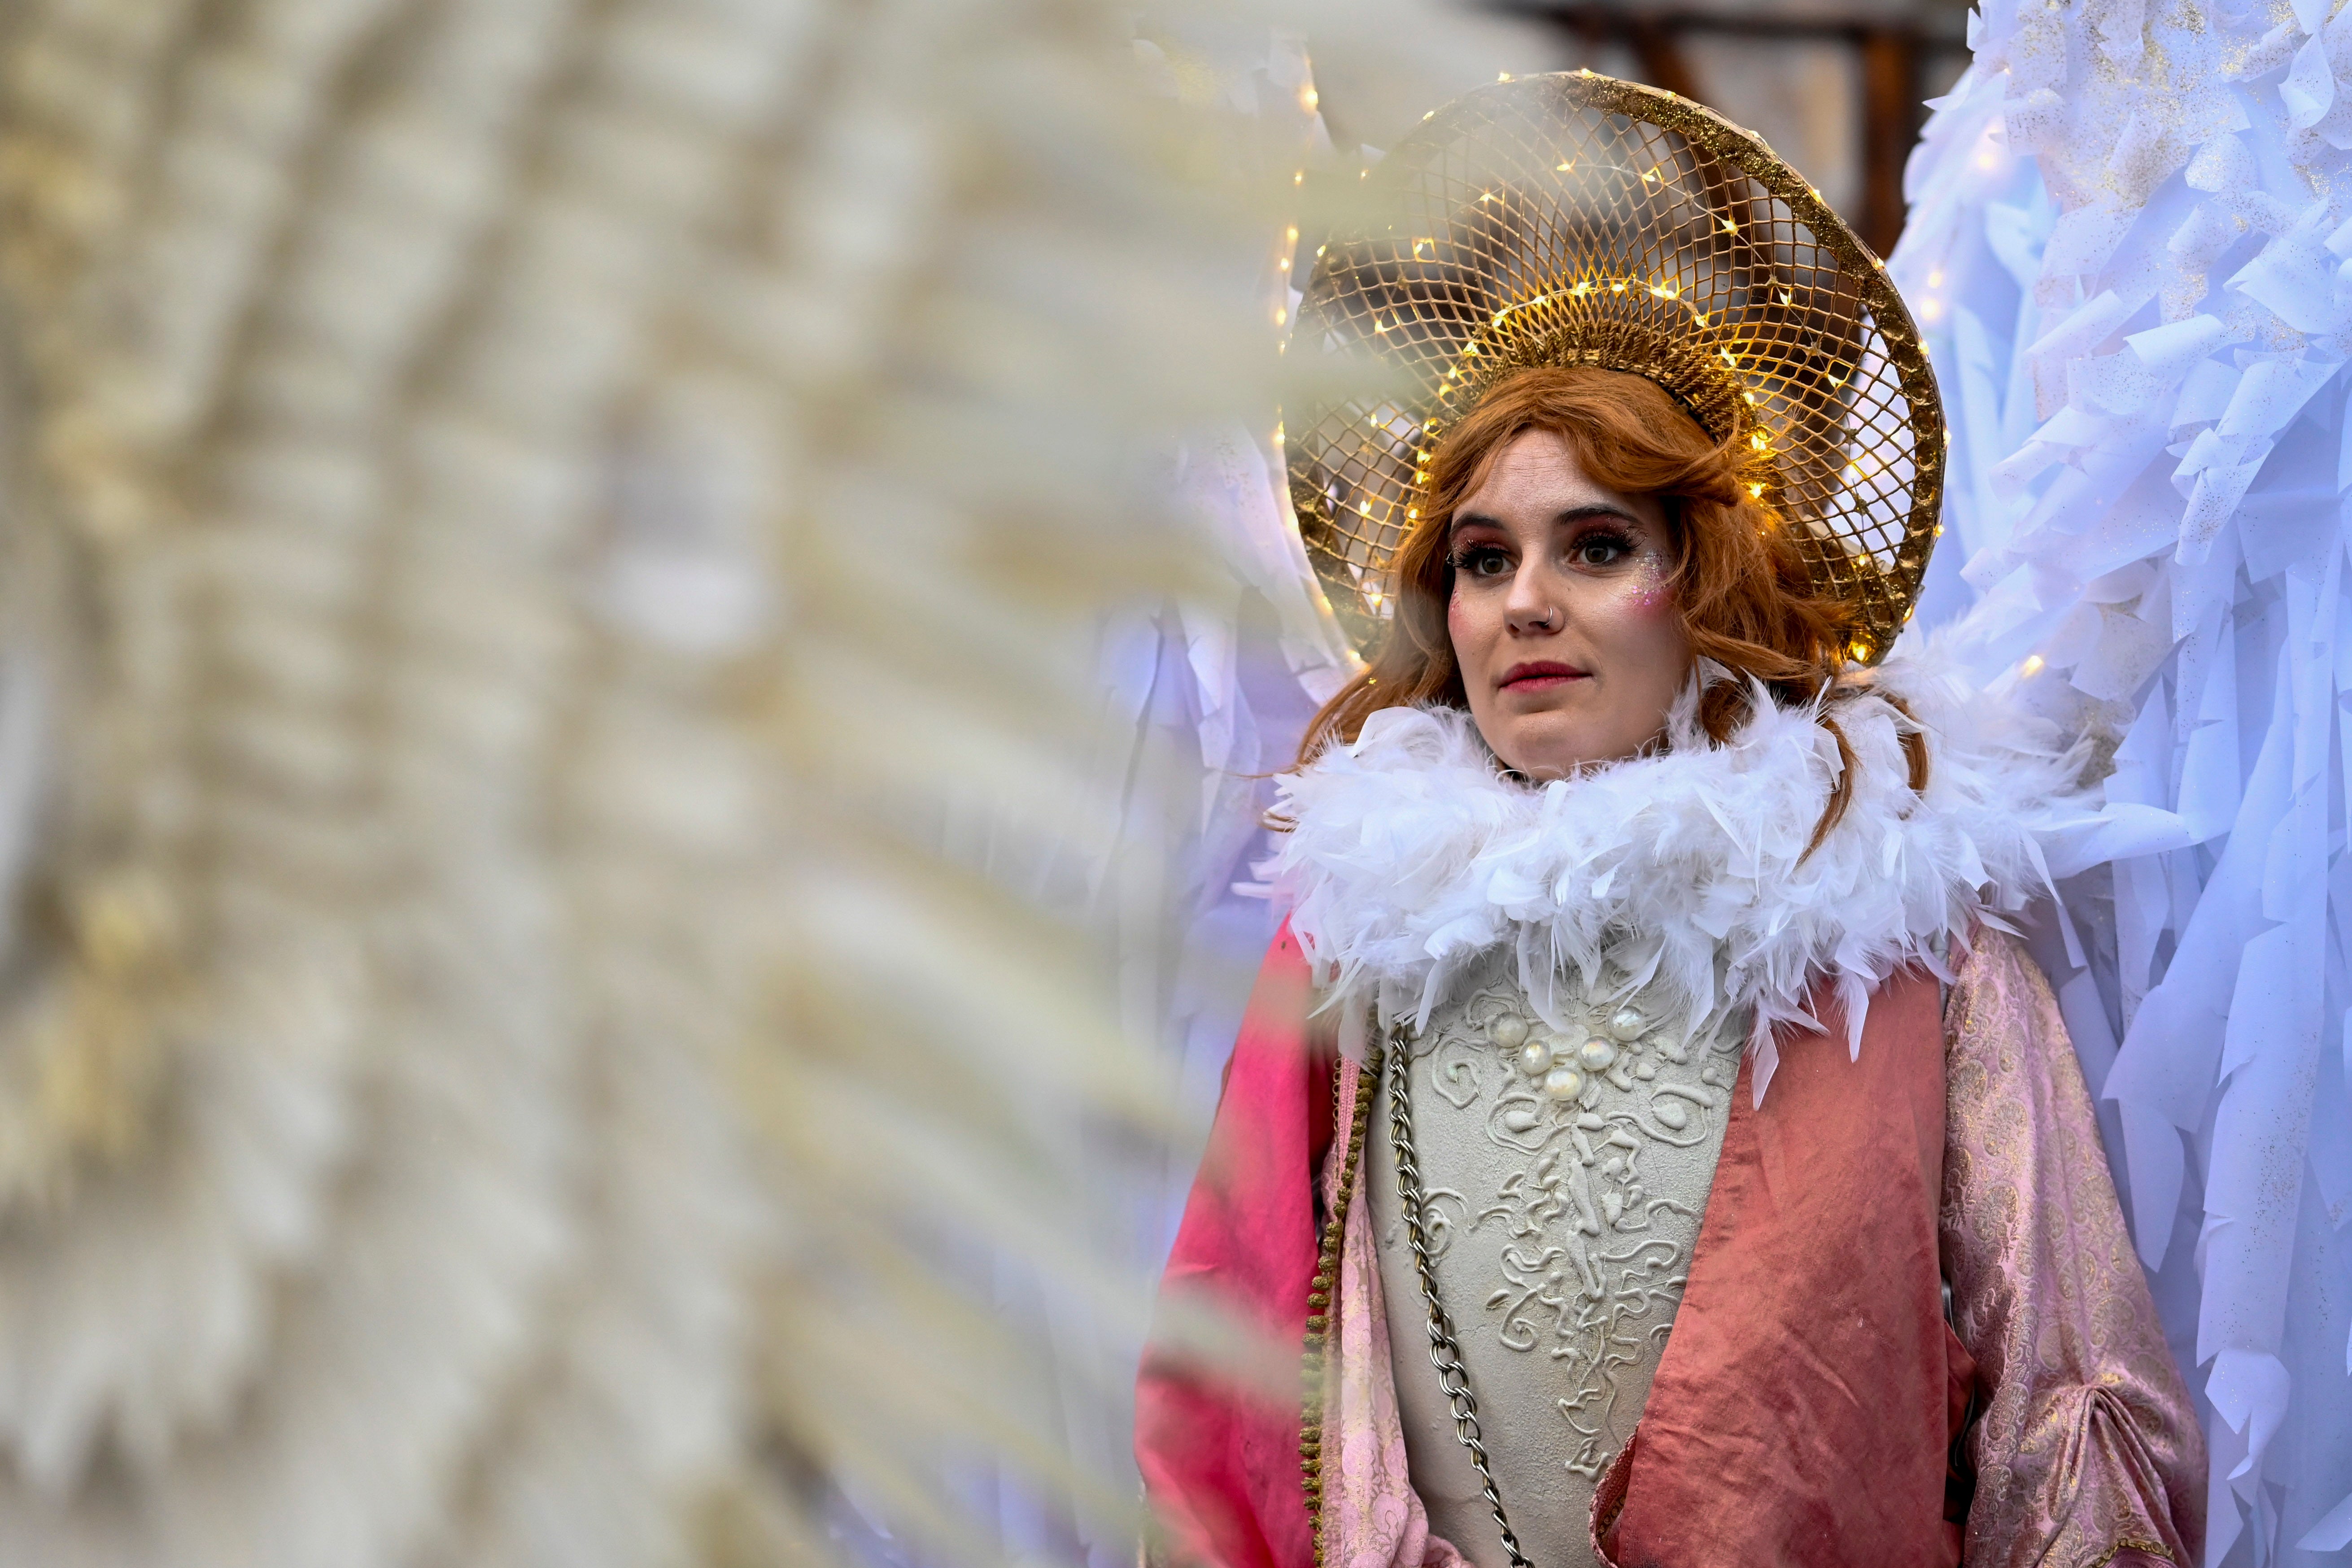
1564, 1175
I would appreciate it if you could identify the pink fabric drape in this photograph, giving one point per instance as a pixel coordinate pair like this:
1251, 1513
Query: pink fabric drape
1219, 1457
1809, 1392
1371, 1516
1803, 1411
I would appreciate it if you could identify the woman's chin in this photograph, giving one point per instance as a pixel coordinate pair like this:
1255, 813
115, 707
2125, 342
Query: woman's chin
1549, 762
1545, 752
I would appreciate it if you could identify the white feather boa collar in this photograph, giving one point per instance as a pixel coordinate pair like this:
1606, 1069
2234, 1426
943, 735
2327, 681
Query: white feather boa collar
1413, 857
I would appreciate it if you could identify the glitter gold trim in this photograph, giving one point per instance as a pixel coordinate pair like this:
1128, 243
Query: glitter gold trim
2153, 1549
1322, 1299
1577, 219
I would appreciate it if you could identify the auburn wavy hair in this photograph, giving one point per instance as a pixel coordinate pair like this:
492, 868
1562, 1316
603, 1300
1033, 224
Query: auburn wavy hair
1744, 595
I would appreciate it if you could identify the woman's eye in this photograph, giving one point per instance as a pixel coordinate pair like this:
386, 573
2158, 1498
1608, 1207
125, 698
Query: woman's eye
1482, 560
1599, 551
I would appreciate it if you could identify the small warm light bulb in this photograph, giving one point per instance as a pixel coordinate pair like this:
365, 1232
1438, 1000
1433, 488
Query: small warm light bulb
1309, 98
1291, 233
2032, 665
1502, 76
1299, 177
1755, 491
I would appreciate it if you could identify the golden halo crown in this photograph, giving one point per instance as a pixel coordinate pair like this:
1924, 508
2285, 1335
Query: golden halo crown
1574, 219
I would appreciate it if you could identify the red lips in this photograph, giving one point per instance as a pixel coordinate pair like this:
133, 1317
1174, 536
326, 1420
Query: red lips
1541, 676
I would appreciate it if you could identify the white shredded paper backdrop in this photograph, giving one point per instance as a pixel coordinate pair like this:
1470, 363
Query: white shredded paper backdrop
2130, 248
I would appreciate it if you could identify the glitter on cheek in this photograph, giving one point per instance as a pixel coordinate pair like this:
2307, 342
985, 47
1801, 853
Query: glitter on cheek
1465, 611
1650, 594
1475, 627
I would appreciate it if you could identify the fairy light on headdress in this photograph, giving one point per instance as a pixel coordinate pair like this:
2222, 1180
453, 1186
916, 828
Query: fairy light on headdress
1573, 219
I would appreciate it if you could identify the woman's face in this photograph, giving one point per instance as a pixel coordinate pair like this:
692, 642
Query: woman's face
1562, 619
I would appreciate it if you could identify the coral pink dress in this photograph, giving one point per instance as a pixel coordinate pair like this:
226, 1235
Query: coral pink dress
1913, 1328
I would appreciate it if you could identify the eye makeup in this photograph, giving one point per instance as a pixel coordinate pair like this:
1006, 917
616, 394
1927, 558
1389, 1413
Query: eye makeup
1599, 548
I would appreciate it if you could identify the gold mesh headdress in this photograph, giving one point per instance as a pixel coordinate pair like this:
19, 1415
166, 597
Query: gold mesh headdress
1575, 219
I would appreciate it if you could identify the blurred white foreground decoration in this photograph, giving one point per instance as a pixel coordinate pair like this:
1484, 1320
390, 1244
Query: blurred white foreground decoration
524, 526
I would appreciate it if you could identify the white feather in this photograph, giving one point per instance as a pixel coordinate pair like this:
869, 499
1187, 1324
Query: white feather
1687, 870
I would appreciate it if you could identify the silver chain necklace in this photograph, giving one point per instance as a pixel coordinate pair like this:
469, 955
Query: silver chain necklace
1445, 1351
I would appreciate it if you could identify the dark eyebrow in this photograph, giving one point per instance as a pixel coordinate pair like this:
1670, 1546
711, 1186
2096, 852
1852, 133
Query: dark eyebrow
1573, 515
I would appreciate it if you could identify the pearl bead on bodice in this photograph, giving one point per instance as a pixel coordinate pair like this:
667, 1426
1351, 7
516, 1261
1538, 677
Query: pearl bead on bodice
1564, 1174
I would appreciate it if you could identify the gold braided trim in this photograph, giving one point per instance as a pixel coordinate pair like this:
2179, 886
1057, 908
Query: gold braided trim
1321, 1291
1610, 325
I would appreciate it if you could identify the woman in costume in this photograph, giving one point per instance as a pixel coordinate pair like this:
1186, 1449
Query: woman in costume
1648, 1127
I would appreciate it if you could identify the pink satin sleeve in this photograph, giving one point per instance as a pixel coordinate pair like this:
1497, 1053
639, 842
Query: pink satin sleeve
2086, 1449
